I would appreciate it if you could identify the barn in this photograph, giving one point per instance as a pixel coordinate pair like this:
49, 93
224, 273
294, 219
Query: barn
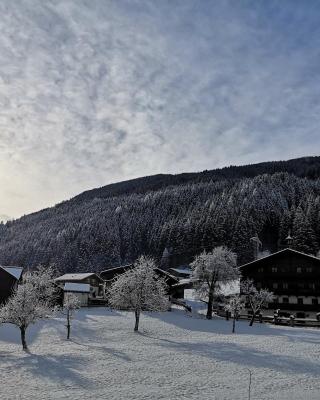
109, 274
9, 278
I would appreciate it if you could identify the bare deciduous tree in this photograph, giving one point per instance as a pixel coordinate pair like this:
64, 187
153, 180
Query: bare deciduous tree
256, 299
139, 289
71, 304
210, 270
32, 300
234, 306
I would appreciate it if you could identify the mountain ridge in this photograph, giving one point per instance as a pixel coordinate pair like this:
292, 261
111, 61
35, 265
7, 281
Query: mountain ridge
187, 213
309, 165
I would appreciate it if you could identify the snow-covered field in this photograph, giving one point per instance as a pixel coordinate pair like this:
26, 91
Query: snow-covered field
175, 356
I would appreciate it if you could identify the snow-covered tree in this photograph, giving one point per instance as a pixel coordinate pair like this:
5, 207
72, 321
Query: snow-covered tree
234, 306
139, 289
256, 299
304, 238
71, 304
210, 270
32, 300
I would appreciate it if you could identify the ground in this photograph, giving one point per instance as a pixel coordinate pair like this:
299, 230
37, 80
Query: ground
175, 356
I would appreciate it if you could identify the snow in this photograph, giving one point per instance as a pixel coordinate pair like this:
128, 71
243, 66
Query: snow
76, 287
182, 270
175, 356
14, 271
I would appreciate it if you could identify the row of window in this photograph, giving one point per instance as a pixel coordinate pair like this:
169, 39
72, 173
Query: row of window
299, 270
300, 285
286, 285
285, 300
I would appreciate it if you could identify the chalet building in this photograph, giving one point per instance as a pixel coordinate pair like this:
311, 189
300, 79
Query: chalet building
88, 286
292, 276
9, 278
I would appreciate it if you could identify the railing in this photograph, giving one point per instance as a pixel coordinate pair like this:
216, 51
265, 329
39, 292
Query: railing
287, 321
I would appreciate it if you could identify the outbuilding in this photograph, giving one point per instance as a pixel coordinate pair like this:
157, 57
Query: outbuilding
80, 290
9, 278
89, 284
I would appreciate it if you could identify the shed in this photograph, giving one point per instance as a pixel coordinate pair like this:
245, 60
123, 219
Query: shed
81, 290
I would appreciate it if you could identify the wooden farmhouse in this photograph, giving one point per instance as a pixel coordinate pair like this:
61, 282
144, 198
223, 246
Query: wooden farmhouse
293, 277
9, 278
88, 287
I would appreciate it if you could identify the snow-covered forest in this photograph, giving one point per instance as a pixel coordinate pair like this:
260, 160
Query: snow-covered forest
114, 225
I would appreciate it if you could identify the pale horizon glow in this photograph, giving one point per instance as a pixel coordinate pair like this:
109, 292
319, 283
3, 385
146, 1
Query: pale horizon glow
94, 92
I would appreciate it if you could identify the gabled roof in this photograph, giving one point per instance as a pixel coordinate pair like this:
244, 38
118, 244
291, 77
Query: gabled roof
77, 287
166, 274
16, 272
120, 268
109, 274
124, 268
287, 250
182, 270
77, 277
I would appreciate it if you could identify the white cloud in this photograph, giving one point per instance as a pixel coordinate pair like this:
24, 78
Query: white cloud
92, 92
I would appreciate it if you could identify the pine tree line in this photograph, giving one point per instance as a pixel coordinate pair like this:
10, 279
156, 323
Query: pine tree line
98, 233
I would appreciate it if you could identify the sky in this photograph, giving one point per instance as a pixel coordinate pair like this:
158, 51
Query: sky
98, 91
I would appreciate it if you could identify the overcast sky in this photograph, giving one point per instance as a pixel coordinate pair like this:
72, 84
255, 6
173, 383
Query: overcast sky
97, 91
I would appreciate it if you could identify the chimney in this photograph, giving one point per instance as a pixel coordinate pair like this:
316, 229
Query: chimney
289, 240
257, 246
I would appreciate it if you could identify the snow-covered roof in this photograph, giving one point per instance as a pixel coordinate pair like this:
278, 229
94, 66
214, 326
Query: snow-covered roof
120, 268
75, 277
184, 270
14, 271
279, 252
76, 287
184, 282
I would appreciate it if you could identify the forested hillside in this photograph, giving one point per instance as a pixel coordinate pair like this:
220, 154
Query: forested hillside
183, 213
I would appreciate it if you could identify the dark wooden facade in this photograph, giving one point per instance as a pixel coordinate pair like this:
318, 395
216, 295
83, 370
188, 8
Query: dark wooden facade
293, 277
109, 274
7, 283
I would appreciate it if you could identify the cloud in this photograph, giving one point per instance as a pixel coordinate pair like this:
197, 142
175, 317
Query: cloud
94, 92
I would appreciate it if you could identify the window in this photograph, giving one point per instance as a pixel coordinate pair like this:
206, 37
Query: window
300, 301
312, 286
309, 269
299, 270
315, 302
275, 285
260, 269
274, 269
285, 285
285, 300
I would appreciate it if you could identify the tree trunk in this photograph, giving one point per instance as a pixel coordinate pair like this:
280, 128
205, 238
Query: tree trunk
137, 315
210, 306
234, 323
23, 338
252, 319
68, 325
